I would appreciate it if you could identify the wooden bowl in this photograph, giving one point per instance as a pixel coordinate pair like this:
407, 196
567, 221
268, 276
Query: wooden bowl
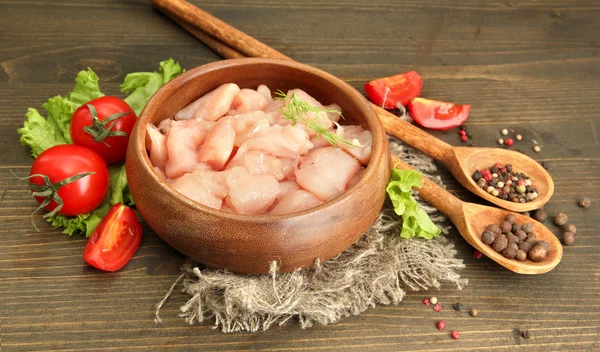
249, 243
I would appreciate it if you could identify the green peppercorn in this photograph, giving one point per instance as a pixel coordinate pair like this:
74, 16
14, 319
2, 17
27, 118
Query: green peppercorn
487, 237
527, 227
561, 219
570, 228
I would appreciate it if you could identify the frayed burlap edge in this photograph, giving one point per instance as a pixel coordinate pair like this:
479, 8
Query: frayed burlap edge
377, 269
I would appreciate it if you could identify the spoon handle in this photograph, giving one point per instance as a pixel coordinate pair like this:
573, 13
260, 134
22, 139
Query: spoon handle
414, 136
434, 194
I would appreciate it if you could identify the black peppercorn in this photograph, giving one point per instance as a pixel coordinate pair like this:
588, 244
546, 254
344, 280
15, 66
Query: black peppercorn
487, 237
527, 227
570, 228
500, 243
537, 253
493, 228
516, 227
509, 253
560, 219
521, 256
585, 202
540, 215
511, 218
508, 167
568, 238
458, 307
506, 226
477, 175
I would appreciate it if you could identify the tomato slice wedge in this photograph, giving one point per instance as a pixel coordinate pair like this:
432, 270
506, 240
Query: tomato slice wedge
387, 92
115, 240
438, 115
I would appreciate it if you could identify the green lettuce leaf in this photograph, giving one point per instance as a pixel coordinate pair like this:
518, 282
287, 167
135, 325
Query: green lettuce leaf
142, 85
38, 133
415, 221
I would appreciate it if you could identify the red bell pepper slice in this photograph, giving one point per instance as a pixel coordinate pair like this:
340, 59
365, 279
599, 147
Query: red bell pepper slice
438, 115
387, 92
115, 240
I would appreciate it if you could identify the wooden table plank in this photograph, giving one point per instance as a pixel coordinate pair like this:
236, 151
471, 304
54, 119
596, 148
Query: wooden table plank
529, 65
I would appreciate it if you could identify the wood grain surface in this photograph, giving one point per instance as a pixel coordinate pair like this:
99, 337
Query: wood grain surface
529, 65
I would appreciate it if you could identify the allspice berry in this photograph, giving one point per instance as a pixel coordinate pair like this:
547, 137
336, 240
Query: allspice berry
525, 246
540, 215
521, 256
493, 228
513, 246
532, 238
500, 243
487, 237
585, 202
561, 219
516, 227
527, 227
522, 235
570, 228
511, 218
509, 253
512, 238
568, 238
473, 312
506, 226
544, 244
537, 253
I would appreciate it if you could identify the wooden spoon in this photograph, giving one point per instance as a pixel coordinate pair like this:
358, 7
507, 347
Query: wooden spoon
471, 220
462, 162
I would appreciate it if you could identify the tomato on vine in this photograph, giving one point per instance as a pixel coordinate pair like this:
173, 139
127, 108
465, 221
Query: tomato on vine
104, 125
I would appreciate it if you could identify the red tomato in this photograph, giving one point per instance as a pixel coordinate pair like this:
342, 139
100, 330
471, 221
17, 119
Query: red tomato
115, 240
438, 115
105, 128
61, 164
387, 92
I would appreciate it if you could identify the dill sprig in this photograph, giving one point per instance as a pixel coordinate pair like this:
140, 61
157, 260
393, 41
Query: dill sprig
296, 110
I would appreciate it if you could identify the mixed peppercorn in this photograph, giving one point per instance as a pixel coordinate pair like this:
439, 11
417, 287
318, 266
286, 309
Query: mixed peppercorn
515, 241
502, 182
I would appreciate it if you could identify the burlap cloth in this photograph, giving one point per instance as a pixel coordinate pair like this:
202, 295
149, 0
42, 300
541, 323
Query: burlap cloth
378, 269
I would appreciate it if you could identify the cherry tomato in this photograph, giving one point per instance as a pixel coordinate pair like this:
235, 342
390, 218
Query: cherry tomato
387, 92
65, 167
438, 115
104, 127
115, 240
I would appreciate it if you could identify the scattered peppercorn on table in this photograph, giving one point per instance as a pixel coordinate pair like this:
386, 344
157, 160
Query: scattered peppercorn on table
528, 69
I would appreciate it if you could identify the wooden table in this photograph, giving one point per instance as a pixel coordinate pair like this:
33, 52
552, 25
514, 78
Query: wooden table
533, 66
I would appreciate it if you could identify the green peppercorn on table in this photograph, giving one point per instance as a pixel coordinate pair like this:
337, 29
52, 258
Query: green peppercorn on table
528, 66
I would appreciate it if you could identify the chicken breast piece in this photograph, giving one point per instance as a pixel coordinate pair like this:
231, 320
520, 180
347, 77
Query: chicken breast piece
286, 187
248, 100
333, 116
360, 138
248, 124
218, 146
156, 145
285, 142
258, 163
250, 194
326, 172
183, 142
203, 186
265, 92
295, 201
211, 106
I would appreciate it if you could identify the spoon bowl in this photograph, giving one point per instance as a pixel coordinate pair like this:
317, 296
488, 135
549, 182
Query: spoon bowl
471, 220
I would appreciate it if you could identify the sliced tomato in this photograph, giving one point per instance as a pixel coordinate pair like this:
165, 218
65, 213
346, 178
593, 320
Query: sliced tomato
438, 115
387, 92
115, 240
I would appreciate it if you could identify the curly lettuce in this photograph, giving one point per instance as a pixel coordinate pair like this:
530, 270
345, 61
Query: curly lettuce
416, 222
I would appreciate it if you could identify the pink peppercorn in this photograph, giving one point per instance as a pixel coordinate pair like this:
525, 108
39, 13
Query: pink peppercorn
498, 165
520, 182
464, 139
477, 255
487, 177
455, 334
426, 302
440, 325
509, 142
437, 307
462, 133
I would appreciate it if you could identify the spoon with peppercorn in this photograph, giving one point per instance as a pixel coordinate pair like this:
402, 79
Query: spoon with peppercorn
507, 178
489, 230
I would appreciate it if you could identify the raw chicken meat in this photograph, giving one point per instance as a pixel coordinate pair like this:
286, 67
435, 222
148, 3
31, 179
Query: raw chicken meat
250, 194
234, 151
211, 106
326, 172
